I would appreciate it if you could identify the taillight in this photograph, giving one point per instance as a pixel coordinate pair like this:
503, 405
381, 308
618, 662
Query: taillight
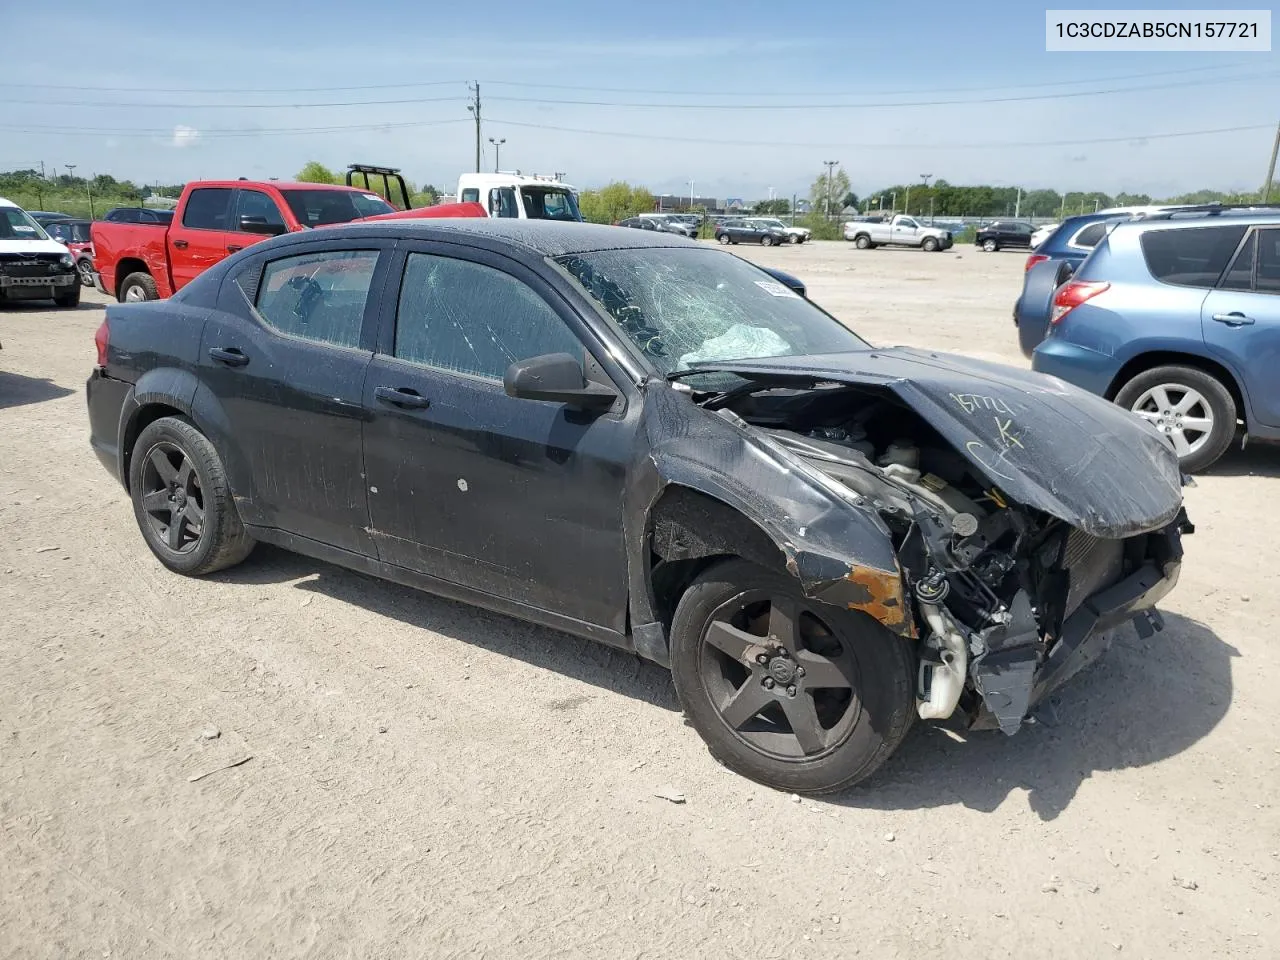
100, 340
1073, 293
1034, 259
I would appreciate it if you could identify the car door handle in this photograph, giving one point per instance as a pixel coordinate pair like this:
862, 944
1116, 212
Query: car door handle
231, 356
402, 397
180, 244
234, 248
1234, 319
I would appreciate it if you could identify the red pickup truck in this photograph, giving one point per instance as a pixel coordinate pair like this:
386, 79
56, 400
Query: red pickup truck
215, 218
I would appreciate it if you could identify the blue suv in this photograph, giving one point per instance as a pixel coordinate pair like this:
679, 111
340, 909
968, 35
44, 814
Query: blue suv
1178, 320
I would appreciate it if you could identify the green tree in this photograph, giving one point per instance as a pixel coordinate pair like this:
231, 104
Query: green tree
827, 192
772, 208
315, 172
613, 202
850, 199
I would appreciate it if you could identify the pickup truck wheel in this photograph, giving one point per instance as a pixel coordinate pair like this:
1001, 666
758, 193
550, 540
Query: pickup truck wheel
182, 501
766, 241
1190, 407
862, 242
929, 245
138, 287
795, 694
85, 269
724, 238
69, 299
990, 246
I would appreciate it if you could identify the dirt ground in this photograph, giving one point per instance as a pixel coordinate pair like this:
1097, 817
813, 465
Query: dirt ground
429, 780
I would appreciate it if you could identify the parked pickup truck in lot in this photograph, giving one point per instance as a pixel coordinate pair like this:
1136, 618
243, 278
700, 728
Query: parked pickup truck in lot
900, 232
215, 218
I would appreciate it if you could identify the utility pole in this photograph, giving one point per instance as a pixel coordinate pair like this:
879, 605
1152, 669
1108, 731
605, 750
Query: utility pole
690, 194
88, 188
41, 169
1017, 207
70, 169
497, 148
1271, 168
831, 168
474, 109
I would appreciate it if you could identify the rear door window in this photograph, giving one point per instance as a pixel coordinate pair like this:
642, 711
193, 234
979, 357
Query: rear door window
208, 208
1240, 276
1193, 257
1268, 275
318, 296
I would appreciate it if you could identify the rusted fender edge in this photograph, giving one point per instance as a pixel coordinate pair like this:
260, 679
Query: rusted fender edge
878, 593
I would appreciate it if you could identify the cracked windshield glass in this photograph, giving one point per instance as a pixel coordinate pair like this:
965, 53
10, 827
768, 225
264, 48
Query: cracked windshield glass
686, 307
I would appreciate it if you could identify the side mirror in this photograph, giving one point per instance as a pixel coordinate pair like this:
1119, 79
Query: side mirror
556, 377
252, 224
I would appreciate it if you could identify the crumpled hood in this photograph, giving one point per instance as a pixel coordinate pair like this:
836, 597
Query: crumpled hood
1042, 442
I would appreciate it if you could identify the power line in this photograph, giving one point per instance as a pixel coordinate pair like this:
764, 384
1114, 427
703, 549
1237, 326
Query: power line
240, 106
855, 93
223, 133
901, 103
864, 145
261, 90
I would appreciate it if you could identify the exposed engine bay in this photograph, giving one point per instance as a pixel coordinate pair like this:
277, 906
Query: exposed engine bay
1000, 590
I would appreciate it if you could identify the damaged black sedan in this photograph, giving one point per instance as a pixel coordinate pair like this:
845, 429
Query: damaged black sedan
654, 444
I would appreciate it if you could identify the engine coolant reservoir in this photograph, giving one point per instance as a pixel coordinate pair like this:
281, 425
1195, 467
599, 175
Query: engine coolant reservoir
902, 452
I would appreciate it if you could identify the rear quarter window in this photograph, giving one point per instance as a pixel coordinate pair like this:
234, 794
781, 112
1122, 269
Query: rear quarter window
1089, 236
1190, 258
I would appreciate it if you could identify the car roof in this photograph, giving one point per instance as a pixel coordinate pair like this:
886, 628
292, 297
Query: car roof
544, 237
1245, 218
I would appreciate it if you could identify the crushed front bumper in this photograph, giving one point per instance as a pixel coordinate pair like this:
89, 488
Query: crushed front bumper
1017, 675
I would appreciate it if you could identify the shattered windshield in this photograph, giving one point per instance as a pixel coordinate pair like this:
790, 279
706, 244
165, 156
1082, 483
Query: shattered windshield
684, 307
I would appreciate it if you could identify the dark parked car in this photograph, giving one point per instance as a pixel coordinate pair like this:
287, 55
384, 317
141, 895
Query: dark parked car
750, 231
1177, 320
45, 217
1004, 233
645, 441
638, 223
138, 215
74, 235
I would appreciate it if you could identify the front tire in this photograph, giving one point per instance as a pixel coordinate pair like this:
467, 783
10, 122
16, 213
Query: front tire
929, 245
766, 241
793, 238
138, 287
182, 500
990, 246
795, 694
1189, 406
724, 238
85, 269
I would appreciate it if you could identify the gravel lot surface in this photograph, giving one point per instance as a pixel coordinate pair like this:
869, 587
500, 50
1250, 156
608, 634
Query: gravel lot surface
429, 780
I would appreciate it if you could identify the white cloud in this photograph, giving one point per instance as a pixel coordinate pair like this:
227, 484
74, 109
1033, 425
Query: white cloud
184, 136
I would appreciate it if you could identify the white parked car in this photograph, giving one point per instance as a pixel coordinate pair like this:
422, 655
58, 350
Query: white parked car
32, 266
1042, 234
794, 234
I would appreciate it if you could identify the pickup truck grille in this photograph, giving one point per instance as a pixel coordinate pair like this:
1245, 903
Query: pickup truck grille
30, 264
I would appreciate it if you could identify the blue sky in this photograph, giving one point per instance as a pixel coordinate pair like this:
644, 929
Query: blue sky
740, 97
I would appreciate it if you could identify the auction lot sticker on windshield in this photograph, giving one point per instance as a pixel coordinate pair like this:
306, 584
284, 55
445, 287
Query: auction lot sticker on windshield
773, 288
1229, 31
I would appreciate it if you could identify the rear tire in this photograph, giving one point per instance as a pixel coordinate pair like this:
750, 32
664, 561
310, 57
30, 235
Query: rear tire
862, 242
837, 732
1206, 400
138, 287
176, 478
70, 299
